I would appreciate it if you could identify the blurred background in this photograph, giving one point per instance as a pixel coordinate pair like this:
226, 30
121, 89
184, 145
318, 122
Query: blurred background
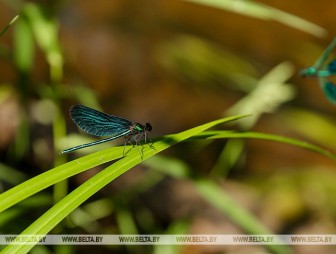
176, 64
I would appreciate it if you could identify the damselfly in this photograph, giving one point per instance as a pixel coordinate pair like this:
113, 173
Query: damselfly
322, 71
98, 123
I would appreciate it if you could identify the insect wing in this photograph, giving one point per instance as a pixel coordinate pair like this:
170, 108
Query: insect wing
329, 89
332, 67
98, 123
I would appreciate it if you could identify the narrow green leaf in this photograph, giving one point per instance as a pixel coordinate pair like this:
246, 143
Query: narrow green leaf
58, 212
55, 175
263, 11
276, 138
8, 25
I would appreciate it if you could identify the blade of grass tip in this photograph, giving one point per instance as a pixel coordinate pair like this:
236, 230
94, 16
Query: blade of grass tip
63, 208
265, 12
8, 25
169, 140
277, 138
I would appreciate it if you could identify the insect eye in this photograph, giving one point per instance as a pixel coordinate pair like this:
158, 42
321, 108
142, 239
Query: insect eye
148, 127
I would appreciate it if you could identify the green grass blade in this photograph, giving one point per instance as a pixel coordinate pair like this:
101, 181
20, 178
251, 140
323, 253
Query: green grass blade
262, 11
8, 25
58, 212
272, 137
55, 175
264, 136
